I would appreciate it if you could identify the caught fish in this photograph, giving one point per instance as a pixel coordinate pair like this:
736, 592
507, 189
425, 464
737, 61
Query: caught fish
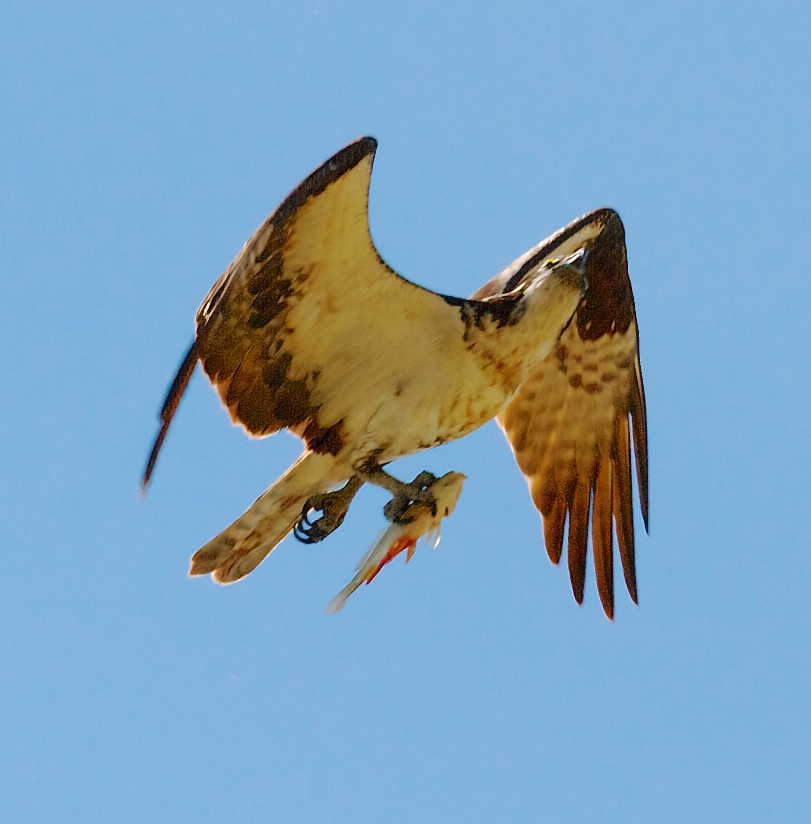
403, 537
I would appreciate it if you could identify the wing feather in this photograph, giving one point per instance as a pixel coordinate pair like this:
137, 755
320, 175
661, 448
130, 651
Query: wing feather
169, 407
624, 516
295, 264
602, 535
579, 537
639, 419
281, 331
571, 421
554, 524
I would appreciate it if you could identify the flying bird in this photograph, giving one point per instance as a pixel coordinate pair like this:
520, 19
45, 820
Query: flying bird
310, 330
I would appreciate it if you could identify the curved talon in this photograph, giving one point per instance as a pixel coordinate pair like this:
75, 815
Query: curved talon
332, 505
312, 531
304, 527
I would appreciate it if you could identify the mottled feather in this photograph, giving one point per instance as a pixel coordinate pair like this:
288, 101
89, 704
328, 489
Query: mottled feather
569, 424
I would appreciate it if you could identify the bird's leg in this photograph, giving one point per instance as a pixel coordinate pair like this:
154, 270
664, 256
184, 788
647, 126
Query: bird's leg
334, 505
405, 495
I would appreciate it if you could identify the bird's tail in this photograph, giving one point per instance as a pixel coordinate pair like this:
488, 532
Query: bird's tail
241, 547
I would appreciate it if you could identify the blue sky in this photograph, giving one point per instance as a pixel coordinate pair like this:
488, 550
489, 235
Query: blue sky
141, 145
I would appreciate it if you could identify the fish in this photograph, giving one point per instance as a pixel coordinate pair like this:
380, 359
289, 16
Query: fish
421, 519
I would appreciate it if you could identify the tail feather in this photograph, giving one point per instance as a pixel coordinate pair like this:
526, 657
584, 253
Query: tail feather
241, 547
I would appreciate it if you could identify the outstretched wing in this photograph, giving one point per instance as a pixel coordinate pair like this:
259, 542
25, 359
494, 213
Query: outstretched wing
280, 309
307, 299
572, 422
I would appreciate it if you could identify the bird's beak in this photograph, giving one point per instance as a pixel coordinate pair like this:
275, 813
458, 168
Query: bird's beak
577, 260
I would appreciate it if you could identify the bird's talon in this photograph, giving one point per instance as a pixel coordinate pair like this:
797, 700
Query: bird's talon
332, 506
418, 492
425, 480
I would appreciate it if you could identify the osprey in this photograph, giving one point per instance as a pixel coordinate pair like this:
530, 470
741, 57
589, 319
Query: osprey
309, 330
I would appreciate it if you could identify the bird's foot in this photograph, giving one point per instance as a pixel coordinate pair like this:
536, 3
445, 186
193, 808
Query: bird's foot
333, 505
417, 492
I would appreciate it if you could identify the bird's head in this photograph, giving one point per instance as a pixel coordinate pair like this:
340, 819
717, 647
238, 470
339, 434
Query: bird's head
568, 272
552, 291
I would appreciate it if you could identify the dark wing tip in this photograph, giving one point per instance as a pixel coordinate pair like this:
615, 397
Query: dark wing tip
369, 144
169, 408
347, 158
153, 456
324, 176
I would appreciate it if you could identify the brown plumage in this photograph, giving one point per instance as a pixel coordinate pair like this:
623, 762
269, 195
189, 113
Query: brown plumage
308, 329
570, 423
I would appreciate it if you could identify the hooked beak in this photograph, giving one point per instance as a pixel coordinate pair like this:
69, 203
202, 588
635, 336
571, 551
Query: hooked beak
577, 261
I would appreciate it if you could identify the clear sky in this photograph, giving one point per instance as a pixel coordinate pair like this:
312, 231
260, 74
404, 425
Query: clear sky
141, 144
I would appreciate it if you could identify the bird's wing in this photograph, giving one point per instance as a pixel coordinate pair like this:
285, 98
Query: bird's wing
306, 300
572, 422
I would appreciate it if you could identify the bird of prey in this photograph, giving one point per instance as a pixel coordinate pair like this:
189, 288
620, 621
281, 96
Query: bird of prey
310, 330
